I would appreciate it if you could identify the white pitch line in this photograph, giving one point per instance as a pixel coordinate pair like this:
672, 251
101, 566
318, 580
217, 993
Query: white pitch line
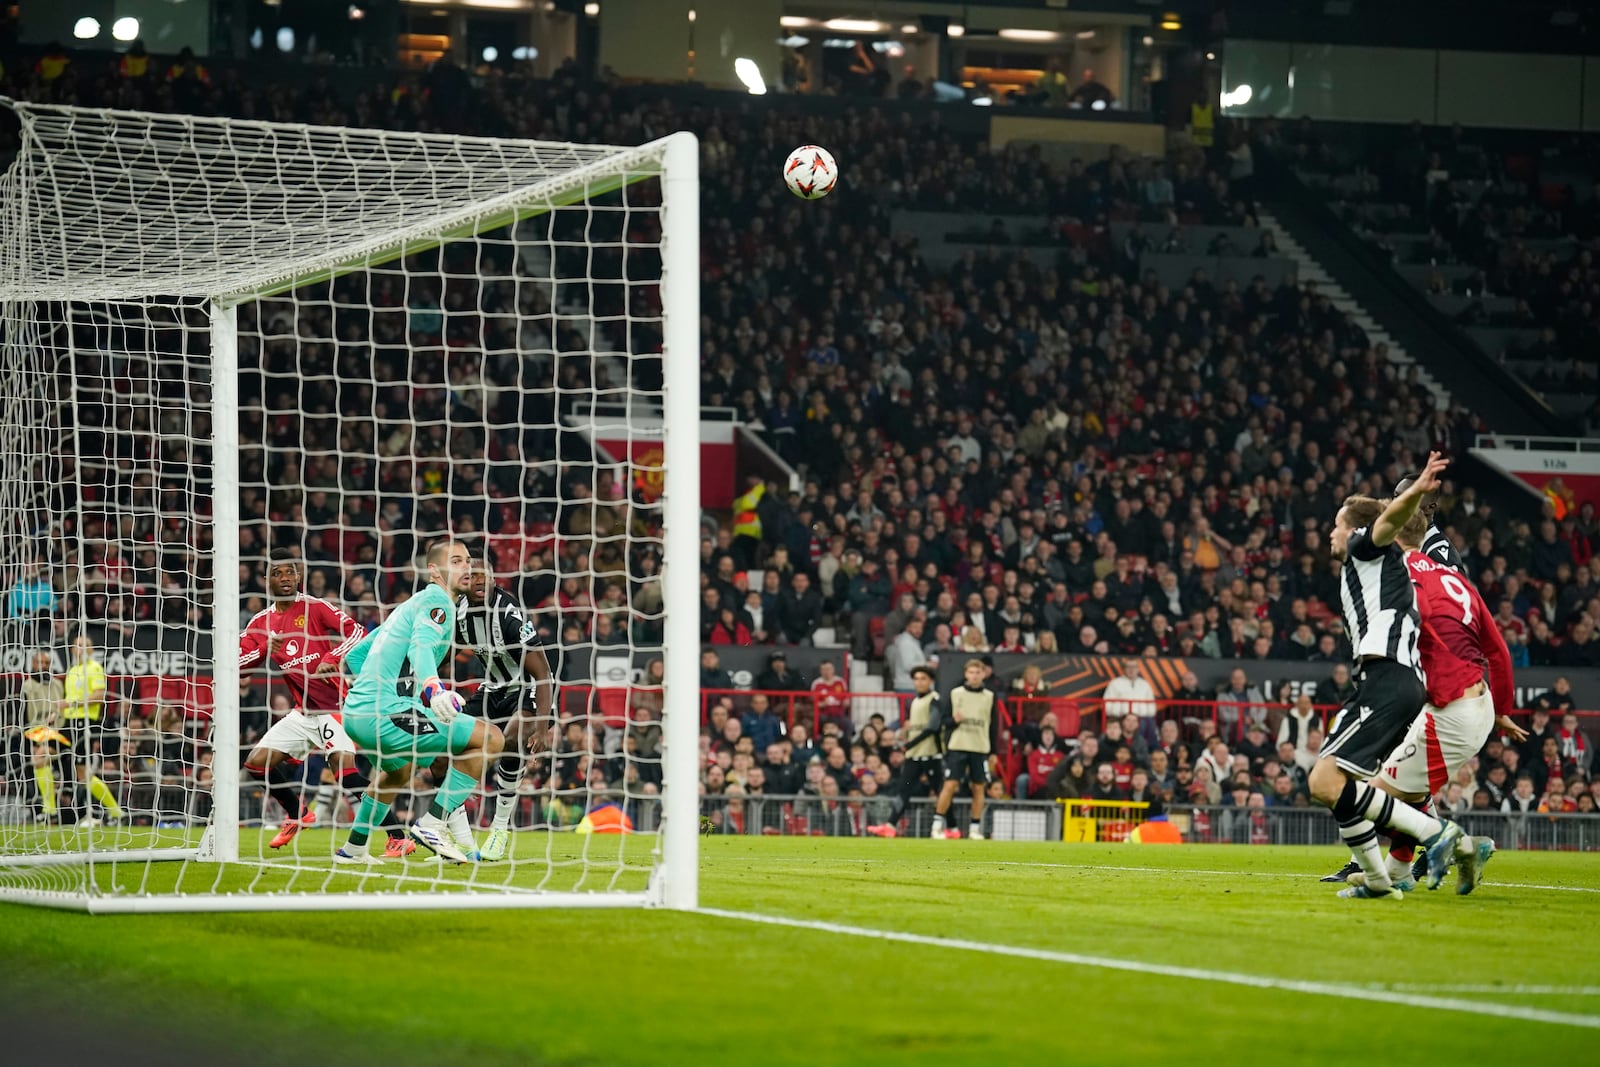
1508, 990
1254, 981
1242, 874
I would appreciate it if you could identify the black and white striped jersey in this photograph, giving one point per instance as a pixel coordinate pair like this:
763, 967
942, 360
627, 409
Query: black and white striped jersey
1380, 605
501, 635
1437, 547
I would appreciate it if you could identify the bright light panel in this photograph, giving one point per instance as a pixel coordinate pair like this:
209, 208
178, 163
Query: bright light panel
855, 25
86, 29
126, 28
1029, 35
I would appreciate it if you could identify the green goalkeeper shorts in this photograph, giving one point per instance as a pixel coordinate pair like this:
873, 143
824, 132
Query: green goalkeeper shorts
412, 735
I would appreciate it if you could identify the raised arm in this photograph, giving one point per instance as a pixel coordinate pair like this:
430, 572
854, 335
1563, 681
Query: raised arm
1388, 525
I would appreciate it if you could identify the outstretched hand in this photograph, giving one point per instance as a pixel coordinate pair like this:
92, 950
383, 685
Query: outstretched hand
1428, 481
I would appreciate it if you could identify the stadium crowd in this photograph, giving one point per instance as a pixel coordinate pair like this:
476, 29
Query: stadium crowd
1037, 450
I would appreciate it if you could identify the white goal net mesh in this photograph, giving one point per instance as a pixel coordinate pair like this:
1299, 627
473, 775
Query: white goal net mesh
423, 334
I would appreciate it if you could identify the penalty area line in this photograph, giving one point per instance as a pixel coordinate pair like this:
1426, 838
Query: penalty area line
1109, 963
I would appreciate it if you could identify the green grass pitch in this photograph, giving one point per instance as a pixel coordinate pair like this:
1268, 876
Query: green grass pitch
651, 987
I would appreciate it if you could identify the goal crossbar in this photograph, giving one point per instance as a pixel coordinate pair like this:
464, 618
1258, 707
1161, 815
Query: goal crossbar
486, 183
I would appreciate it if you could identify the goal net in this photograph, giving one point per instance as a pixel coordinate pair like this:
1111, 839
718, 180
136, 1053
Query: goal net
244, 354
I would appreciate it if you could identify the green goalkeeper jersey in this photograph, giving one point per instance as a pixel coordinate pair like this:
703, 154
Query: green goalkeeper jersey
419, 631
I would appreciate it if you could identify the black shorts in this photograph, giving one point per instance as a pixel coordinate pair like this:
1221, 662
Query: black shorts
83, 733
499, 706
1373, 722
966, 768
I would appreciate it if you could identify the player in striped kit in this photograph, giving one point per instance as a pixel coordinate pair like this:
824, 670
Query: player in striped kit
1381, 615
492, 623
305, 638
1458, 646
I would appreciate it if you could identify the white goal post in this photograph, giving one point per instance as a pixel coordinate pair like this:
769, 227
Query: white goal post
220, 335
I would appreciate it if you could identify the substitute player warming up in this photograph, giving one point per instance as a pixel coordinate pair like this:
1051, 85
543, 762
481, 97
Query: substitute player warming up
1380, 613
966, 753
919, 770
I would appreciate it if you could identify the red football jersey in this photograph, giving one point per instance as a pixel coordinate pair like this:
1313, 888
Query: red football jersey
315, 631
1458, 642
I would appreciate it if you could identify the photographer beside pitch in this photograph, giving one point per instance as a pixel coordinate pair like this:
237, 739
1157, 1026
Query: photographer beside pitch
1381, 616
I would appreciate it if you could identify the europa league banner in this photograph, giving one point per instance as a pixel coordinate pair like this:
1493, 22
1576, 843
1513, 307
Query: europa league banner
1085, 677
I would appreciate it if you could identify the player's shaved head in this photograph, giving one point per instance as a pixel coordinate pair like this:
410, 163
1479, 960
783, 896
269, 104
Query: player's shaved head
439, 551
1430, 502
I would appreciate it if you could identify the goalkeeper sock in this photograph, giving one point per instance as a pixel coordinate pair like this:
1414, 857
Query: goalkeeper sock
507, 779
102, 792
458, 786
370, 814
44, 776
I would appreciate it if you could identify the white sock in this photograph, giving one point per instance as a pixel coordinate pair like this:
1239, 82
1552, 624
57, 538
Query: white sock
461, 828
357, 850
503, 812
938, 824
506, 793
974, 829
1399, 871
1385, 810
1362, 838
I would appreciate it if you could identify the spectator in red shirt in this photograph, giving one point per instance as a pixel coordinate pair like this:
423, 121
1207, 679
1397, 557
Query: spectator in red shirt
729, 630
831, 695
1041, 761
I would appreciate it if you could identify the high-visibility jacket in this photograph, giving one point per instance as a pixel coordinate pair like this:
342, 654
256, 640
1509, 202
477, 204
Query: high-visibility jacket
1202, 125
746, 520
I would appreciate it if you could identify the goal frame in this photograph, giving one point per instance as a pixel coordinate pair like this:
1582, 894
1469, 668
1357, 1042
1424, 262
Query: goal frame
674, 880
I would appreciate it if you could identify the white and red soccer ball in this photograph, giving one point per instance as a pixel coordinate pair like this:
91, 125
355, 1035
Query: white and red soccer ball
810, 172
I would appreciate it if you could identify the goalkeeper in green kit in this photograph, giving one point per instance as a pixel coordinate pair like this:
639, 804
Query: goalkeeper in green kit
396, 731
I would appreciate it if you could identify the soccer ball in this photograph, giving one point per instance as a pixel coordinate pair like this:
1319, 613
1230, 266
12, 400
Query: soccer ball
810, 172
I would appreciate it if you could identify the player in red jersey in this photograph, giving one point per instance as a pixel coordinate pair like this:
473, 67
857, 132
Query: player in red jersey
1458, 644
299, 635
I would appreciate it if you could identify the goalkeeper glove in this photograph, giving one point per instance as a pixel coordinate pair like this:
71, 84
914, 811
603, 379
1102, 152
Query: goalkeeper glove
445, 703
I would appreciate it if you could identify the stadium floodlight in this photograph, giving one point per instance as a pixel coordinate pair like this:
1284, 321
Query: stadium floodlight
285, 38
591, 9
956, 29
854, 25
750, 74
490, 53
86, 28
125, 28
225, 291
